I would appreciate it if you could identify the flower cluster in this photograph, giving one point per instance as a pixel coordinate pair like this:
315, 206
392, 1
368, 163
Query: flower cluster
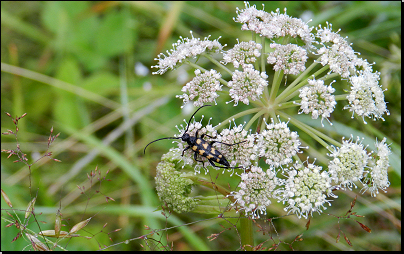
348, 165
306, 190
183, 49
172, 188
290, 58
242, 154
273, 25
277, 144
317, 99
247, 84
339, 55
242, 53
366, 97
256, 189
377, 177
204, 87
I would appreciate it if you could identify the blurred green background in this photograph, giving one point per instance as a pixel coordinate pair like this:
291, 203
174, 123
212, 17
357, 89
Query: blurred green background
71, 65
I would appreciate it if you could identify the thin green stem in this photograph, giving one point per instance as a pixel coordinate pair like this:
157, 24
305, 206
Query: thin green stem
315, 134
246, 233
217, 63
204, 70
263, 54
252, 120
289, 104
293, 84
238, 115
295, 91
211, 185
275, 85
258, 103
341, 97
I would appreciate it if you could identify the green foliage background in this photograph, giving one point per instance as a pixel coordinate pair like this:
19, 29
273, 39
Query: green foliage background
76, 73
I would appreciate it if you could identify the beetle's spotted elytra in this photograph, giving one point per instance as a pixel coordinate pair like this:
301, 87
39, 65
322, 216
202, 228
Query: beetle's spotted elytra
202, 147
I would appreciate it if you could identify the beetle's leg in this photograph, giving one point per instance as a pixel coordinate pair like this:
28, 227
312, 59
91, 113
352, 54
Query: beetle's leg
213, 165
186, 148
203, 135
212, 142
228, 144
195, 158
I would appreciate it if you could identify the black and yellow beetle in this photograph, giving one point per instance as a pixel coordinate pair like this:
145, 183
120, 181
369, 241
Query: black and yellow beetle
202, 147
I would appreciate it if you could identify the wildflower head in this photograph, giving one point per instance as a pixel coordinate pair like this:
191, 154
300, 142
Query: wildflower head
202, 88
277, 144
317, 99
256, 189
273, 25
172, 188
305, 190
247, 84
183, 49
377, 177
336, 52
242, 53
366, 97
290, 58
348, 165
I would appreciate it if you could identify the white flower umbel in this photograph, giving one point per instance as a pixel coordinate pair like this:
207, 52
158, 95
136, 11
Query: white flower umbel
172, 188
366, 97
256, 189
242, 53
273, 25
317, 99
183, 49
277, 144
377, 177
348, 165
290, 58
202, 88
306, 190
247, 84
336, 52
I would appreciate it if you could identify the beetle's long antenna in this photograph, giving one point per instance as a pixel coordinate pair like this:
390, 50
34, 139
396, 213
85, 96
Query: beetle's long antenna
144, 151
194, 115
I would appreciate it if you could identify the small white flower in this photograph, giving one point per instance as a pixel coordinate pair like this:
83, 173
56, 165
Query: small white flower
277, 144
378, 178
317, 99
185, 48
290, 58
202, 88
366, 97
242, 53
305, 190
256, 189
273, 25
247, 84
243, 153
348, 165
336, 52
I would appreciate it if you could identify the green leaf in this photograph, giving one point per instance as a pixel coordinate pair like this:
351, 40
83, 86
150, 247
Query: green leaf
115, 35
